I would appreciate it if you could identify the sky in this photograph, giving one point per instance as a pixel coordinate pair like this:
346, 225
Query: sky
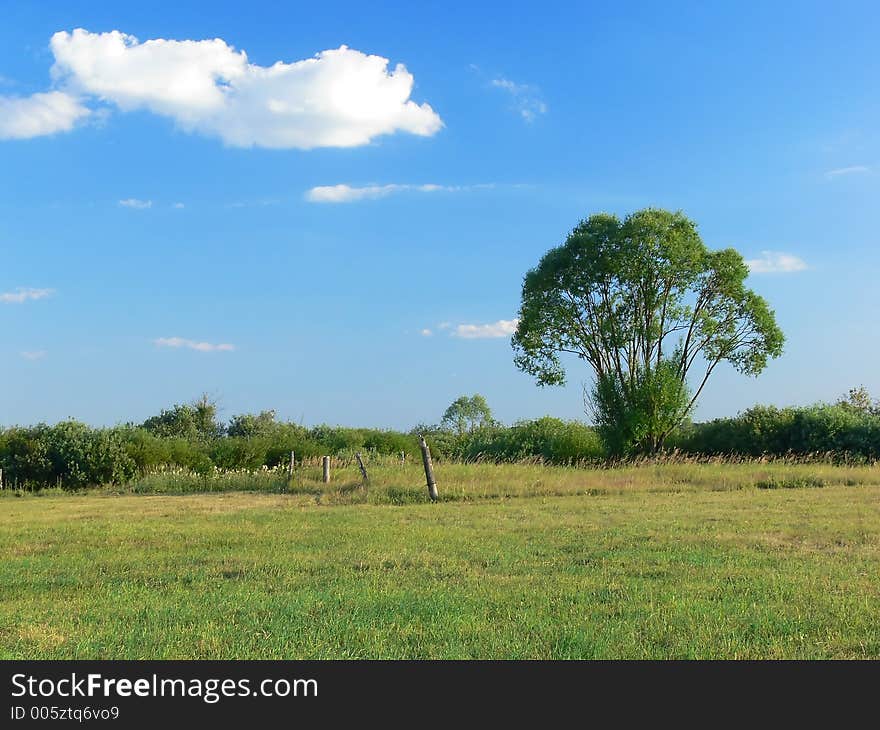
328, 209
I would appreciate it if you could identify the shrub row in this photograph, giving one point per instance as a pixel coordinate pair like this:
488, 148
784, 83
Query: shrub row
837, 430
72, 455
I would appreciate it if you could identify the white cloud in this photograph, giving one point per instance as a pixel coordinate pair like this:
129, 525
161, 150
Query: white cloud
501, 328
776, 262
527, 99
23, 295
338, 98
136, 204
178, 342
178, 206
425, 332
33, 354
349, 194
853, 170
23, 117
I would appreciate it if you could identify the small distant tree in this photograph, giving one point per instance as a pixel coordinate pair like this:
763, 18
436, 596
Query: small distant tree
467, 414
647, 305
248, 425
860, 401
192, 421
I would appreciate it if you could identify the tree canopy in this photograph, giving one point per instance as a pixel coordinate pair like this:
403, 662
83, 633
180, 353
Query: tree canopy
646, 304
467, 414
196, 420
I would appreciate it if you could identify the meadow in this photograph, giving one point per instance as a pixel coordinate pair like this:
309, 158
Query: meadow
671, 560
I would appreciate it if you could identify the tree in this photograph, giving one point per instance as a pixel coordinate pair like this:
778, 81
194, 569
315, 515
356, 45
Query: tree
467, 414
859, 401
247, 425
646, 304
194, 421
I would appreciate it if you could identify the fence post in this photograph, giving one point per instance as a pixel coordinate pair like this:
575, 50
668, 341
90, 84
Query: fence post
1, 479
289, 473
326, 463
403, 457
361, 466
429, 468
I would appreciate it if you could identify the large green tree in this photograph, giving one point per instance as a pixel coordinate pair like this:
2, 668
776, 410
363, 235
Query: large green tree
652, 310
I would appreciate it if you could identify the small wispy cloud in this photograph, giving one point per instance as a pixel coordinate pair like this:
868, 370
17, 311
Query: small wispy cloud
179, 342
501, 328
776, 262
24, 295
426, 332
852, 170
350, 194
33, 354
136, 204
527, 99
178, 206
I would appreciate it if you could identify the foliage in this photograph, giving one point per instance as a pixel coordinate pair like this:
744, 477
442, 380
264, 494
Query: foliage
72, 455
547, 439
837, 431
467, 414
642, 301
68, 454
628, 418
248, 425
860, 401
196, 420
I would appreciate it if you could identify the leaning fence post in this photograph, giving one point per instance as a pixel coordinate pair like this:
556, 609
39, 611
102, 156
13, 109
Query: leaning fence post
429, 468
326, 463
361, 466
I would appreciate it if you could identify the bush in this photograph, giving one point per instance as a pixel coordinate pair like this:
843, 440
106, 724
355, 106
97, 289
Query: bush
836, 430
548, 439
69, 454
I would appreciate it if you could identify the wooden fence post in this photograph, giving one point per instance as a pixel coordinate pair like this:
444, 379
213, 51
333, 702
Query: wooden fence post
429, 468
289, 473
403, 457
1, 479
326, 463
361, 466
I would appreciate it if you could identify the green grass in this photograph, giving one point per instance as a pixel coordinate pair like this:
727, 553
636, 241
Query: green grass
520, 561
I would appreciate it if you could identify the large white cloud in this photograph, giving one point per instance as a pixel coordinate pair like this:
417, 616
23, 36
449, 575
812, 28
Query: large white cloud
338, 98
23, 117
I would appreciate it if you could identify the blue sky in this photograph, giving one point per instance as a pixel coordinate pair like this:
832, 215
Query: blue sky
157, 244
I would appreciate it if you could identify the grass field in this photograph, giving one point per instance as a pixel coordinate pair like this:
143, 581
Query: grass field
519, 561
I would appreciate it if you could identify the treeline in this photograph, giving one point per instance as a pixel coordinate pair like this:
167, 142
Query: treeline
72, 455
836, 431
